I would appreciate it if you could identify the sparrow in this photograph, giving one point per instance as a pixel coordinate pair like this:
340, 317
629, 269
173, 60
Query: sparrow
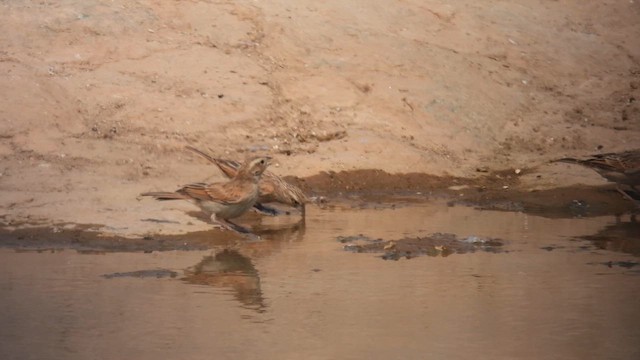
621, 168
273, 188
224, 200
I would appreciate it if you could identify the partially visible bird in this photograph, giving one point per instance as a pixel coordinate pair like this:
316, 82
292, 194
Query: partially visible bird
273, 188
224, 201
622, 168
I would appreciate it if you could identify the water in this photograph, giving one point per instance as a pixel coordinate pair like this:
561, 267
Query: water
298, 295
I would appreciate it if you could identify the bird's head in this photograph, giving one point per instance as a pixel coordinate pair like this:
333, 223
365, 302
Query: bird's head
254, 167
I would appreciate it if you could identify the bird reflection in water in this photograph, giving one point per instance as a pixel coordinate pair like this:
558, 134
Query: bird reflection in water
231, 271
621, 236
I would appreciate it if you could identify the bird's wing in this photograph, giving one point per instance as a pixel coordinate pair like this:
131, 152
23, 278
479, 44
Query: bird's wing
631, 160
195, 191
604, 163
621, 162
267, 186
225, 193
608, 162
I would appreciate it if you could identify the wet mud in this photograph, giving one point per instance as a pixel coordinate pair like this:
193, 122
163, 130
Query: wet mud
85, 239
498, 190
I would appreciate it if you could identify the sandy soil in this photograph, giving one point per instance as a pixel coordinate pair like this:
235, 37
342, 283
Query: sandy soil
100, 98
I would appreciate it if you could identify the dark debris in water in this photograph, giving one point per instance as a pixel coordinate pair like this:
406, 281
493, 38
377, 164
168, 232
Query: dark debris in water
437, 244
160, 221
622, 264
357, 240
552, 247
504, 205
142, 274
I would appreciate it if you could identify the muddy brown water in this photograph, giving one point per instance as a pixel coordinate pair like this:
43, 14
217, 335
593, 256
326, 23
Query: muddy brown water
479, 284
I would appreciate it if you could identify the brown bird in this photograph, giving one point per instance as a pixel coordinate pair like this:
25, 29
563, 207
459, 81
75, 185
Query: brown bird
273, 188
224, 201
622, 168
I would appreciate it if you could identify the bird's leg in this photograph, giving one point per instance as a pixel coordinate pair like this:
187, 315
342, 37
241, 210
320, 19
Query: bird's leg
243, 231
236, 227
216, 223
228, 225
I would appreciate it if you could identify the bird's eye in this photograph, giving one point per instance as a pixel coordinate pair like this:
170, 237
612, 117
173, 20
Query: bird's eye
262, 162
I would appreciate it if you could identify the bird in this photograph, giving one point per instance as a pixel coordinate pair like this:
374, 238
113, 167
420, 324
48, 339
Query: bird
223, 200
273, 188
622, 168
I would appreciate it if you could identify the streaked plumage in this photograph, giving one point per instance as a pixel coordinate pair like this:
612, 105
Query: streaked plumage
272, 187
223, 201
621, 168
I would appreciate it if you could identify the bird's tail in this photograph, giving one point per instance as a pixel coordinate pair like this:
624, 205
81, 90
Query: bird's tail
228, 167
568, 161
201, 153
165, 195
